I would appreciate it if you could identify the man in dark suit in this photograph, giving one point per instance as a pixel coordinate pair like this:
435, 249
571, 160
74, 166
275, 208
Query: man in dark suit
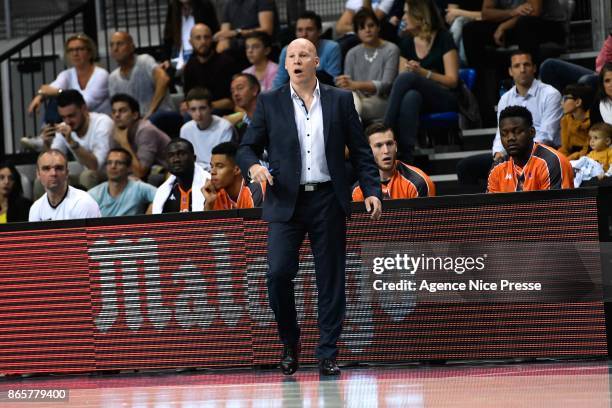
305, 127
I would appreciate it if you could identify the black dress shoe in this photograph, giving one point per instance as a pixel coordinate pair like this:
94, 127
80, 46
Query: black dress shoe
289, 360
328, 366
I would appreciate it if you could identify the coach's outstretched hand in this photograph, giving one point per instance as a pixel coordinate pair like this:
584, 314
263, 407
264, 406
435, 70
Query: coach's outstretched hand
374, 207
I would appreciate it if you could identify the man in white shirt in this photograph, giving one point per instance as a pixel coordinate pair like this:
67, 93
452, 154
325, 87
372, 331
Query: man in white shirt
205, 130
85, 134
542, 100
60, 201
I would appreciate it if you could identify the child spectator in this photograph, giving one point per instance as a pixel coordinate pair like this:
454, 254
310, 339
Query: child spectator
593, 168
600, 138
258, 46
576, 121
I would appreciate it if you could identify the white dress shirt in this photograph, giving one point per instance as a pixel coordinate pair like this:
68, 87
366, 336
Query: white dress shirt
544, 103
309, 124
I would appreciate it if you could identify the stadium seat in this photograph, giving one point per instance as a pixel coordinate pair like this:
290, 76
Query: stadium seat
448, 119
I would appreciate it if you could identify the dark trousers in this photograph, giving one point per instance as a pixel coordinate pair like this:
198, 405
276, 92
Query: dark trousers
528, 33
411, 96
474, 170
319, 214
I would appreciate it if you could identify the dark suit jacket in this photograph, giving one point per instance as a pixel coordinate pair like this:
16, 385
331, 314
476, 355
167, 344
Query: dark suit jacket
273, 127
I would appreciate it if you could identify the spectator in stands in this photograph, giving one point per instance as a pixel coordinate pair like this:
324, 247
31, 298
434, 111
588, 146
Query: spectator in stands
551, 171
370, 68
182, 16
14, 206
602, 106
576, 122
245, 89
83, 75
600, 139
227, 189
384, 10
121, 195
84, 134
398, 180
182, 191
205, 130
144, 142
242, 17
429, 67
208, 69
560, 73
544, 103
525, 23
258, 46
458, 14
60, 201
345, 23
138, 76
308, 26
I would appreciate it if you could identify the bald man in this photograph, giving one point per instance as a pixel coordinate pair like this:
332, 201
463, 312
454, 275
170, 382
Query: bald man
305, 126
138, 76
209, 70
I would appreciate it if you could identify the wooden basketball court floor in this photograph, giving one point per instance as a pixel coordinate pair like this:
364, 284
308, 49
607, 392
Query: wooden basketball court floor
538, 384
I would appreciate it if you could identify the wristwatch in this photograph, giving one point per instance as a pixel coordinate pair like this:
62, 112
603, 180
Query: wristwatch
238, 32
74, 145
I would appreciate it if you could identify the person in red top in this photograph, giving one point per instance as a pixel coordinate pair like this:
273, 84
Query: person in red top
398, 180
531, 166
227, 189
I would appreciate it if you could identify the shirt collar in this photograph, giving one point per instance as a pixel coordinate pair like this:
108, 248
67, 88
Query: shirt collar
317, 91
532, 89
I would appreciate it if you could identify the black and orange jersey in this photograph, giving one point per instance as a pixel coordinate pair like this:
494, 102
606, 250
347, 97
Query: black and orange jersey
406, 182
251, 195
179, 200
546, 169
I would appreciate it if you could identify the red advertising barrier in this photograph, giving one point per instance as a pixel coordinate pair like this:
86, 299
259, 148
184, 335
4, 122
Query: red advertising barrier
189, 290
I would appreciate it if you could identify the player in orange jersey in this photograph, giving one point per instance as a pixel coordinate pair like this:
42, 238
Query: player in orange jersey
530, 165
398, 180
227, 189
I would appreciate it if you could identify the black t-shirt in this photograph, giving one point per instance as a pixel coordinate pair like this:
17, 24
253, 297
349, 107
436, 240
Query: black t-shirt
443, 43
469, 5
214, 75
244, 13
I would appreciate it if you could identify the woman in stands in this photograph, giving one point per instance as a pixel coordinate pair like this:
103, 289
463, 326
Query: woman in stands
80, 53
13, 206
429, 67
369, 68
602, 106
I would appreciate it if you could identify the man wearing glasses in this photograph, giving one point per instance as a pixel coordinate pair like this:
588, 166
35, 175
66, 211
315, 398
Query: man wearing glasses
121, 195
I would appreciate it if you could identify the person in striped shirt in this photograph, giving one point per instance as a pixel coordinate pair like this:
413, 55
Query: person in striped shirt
530, 166
227, 188
398, 180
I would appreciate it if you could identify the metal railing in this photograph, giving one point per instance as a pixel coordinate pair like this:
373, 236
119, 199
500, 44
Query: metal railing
33, 62
38, 59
